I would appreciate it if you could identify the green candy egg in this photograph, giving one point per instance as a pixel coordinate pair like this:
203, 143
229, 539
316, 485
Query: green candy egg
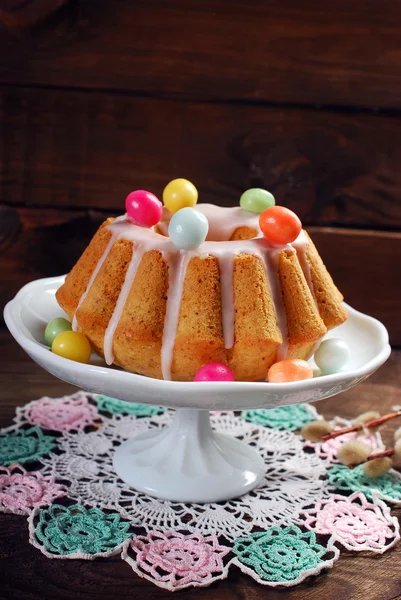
55, 327
256, 200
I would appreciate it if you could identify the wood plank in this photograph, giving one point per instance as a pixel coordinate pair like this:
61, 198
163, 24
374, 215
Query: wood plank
360, 577
40, 243
26, 13
74, 149
298, 51
364, 264
366, 267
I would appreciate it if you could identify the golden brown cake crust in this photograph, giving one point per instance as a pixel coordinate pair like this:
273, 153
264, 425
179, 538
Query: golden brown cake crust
138, 337
328, 297
69, 294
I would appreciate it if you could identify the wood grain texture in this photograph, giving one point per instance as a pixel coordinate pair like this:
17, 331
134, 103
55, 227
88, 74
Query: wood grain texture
300, 51
38, 243
47, 242
28, 575
27, 13
77, 149
366, 268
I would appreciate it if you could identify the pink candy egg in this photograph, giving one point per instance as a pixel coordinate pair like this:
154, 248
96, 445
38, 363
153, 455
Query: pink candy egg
215, 372
143, 208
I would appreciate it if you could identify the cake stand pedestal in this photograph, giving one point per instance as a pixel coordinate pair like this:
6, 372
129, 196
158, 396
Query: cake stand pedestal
188, 461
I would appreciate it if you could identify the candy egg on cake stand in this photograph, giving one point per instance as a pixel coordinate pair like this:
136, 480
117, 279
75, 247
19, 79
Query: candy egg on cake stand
187, 461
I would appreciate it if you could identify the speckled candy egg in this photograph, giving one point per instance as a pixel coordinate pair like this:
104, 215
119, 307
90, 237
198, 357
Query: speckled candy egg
144, 208
56, 326
188, 228
290, 369
72, 345
215, 372
332, 355
178, 194
256, 200
280, 225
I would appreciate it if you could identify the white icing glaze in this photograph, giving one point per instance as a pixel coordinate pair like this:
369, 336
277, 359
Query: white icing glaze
93, 277
226, 264
176, 277
223, 221
222, 224
137, 254
301, 247
270, 263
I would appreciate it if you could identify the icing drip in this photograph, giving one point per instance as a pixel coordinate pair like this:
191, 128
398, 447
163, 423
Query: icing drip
176, 276
92, 279
226, 264
270, 262
301, 247
137, 254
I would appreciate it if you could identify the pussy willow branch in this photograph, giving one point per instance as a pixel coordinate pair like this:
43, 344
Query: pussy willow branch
374, 423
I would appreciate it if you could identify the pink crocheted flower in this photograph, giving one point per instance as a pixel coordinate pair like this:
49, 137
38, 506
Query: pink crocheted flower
174, 561
70, 413
354, 522
328, 450
21, 491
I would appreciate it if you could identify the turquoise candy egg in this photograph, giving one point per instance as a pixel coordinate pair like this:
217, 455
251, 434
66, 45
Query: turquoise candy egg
188, 228
256, 200
332, 355
56, 326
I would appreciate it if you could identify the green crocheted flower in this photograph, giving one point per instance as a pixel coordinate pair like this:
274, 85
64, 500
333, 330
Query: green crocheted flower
25, 446
65, 530
284, 417
352, 480
119, 407
281, 555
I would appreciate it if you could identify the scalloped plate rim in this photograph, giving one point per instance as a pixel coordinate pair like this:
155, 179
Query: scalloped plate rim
211, 395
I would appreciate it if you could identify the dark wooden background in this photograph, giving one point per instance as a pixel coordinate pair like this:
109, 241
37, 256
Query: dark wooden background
99, 97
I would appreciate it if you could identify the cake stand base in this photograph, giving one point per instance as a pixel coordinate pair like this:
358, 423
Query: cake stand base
189, 462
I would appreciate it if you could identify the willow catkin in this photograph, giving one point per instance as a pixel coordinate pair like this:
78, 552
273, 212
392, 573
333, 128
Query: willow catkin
315, 430
365, 417
397, 448
353, 452
377, 467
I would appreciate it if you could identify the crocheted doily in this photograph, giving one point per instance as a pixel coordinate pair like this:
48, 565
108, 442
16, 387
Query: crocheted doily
57, 470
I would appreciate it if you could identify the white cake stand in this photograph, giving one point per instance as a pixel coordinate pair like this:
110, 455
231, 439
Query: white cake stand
188, 462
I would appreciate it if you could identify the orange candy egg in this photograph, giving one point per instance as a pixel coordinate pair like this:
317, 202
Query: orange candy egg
293, 369
280, 225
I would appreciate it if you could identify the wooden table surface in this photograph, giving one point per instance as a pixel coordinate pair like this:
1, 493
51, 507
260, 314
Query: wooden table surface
25, 574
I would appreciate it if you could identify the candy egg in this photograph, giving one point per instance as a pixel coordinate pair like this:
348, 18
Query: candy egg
256, 200
293, 369
178, 194
56, 326
280, 225
332, 355
143, 208
215, 372
188, 228
73, 345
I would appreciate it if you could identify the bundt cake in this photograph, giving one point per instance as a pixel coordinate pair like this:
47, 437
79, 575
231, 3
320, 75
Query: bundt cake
159, 311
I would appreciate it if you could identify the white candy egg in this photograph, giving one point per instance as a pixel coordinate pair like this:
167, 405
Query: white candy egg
188, 228
332, 355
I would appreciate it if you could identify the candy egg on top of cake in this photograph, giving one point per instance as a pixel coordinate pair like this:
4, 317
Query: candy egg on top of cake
167, 291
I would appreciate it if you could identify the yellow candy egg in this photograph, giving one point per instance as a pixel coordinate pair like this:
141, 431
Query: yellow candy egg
178, 194
72, 345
